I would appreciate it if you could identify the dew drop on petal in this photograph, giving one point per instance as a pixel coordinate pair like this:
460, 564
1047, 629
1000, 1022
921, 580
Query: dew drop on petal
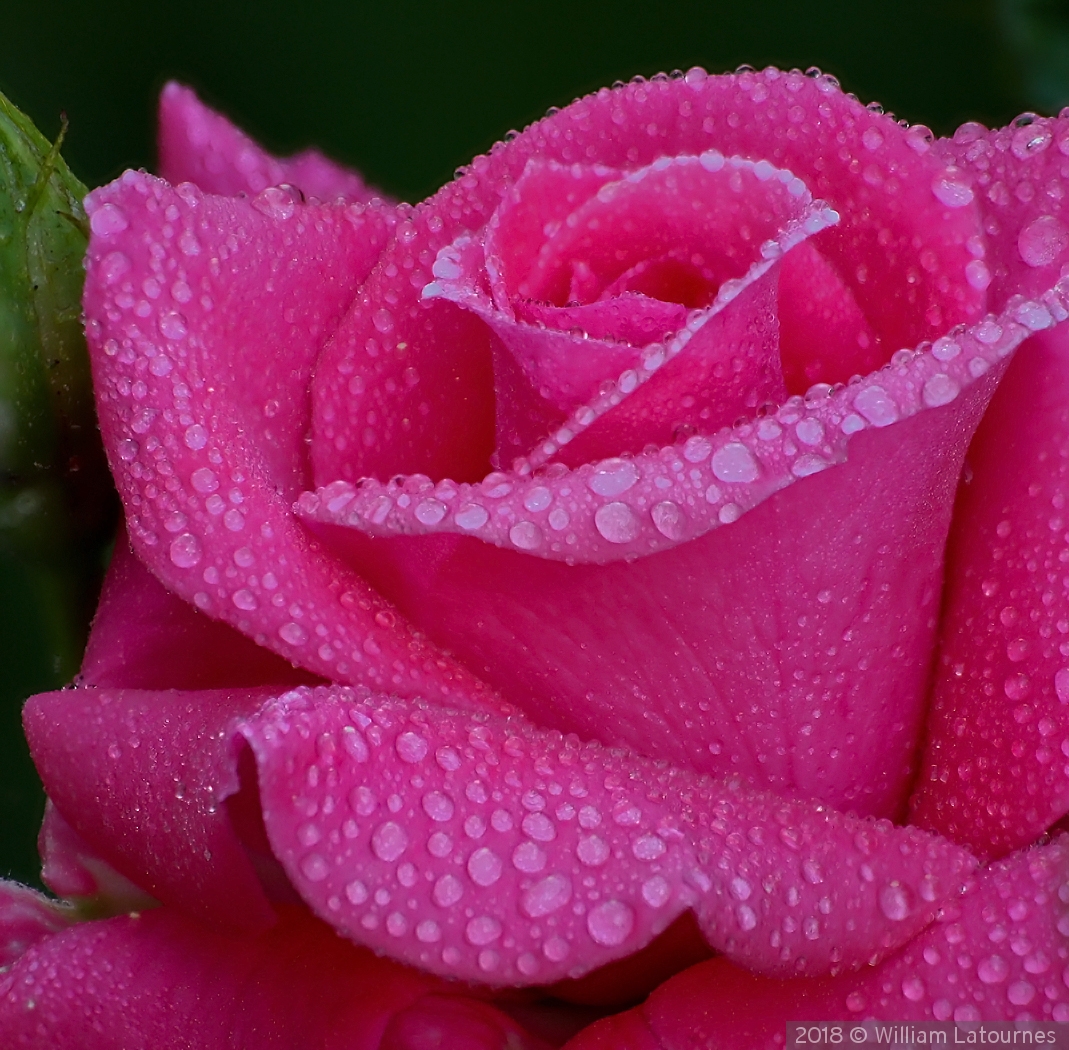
471, 516
293, 633
389, 841
526, 535
482, 930
1042, 241
616, 522
734, 462
875, 404
547, 896
895, 902
186, 551
107, 220
668, 519
656, 891
484, 867
611, 477
951, 189
411, 747
610, 923
315, 867
447, 891
437, 806
592, 851
992, 970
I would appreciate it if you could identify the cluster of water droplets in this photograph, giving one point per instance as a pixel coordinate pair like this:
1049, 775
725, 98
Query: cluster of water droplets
485, 849
635, 505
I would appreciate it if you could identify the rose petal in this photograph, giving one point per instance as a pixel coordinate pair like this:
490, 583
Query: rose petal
1015, 175
161, 982
26, 918
71, 869
141, 777
996, 770
198, 343
702, 611
143, 637
199, 145
998, 955
487, 850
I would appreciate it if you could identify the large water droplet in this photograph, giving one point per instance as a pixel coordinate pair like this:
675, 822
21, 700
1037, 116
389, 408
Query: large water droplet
186, 551
389, 841
734, 462
951, 188
411, 747
529, 858
1042, 241
616, 522
437, 806
895, 902
547, 896
875, 404
610, 923
592, 851
485, 867
992, 970
612, 477
447, 891
107, 220
482, 930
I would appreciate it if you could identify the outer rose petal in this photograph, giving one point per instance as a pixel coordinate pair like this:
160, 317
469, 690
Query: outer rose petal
26, 918
204, 316
143, 637
162, 982
198, 145
999, 954
484, 849
996, 768
141, 777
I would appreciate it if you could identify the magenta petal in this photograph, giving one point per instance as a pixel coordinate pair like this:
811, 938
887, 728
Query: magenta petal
485, 849
996, 768
768, 608
161, 982
143, 637
204, 314
141, 777
1000, 954
71, 870
198, 145
27, 917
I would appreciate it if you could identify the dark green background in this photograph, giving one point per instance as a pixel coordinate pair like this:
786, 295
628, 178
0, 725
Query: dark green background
407, 90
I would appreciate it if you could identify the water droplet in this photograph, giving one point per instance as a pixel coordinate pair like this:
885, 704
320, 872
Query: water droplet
1030, 140
696, 449
939, 389
656, 891
1042, 241
746, 916
172, 326
592, 851
610, 923
526, 535
951, 189
482, 930
977, 274
648, 847
1017, 686
315, 867
539, 827
204, 480
471, 516
668, 519
611, 477
740, 888
529, 858
186, 551
107, 220
616, 522
875, 404
244, 600
872, 140
447, 891
293, 633
485, 867
547, 896
992, 970
356, 891
389, 841
734, 462
437, 806
383, 321
895, 902
428, 932
1061, 685
430, 511
411, 747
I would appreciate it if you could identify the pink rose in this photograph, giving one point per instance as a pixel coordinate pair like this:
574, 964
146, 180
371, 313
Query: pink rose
558, 565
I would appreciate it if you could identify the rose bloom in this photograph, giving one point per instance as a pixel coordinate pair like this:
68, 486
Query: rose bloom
636, 575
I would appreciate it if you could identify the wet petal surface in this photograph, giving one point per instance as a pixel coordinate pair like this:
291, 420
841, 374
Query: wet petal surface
487, 850
998, 954
198, 145
161, 982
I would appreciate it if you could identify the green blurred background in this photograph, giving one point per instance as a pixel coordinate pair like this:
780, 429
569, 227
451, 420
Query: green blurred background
406, 91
